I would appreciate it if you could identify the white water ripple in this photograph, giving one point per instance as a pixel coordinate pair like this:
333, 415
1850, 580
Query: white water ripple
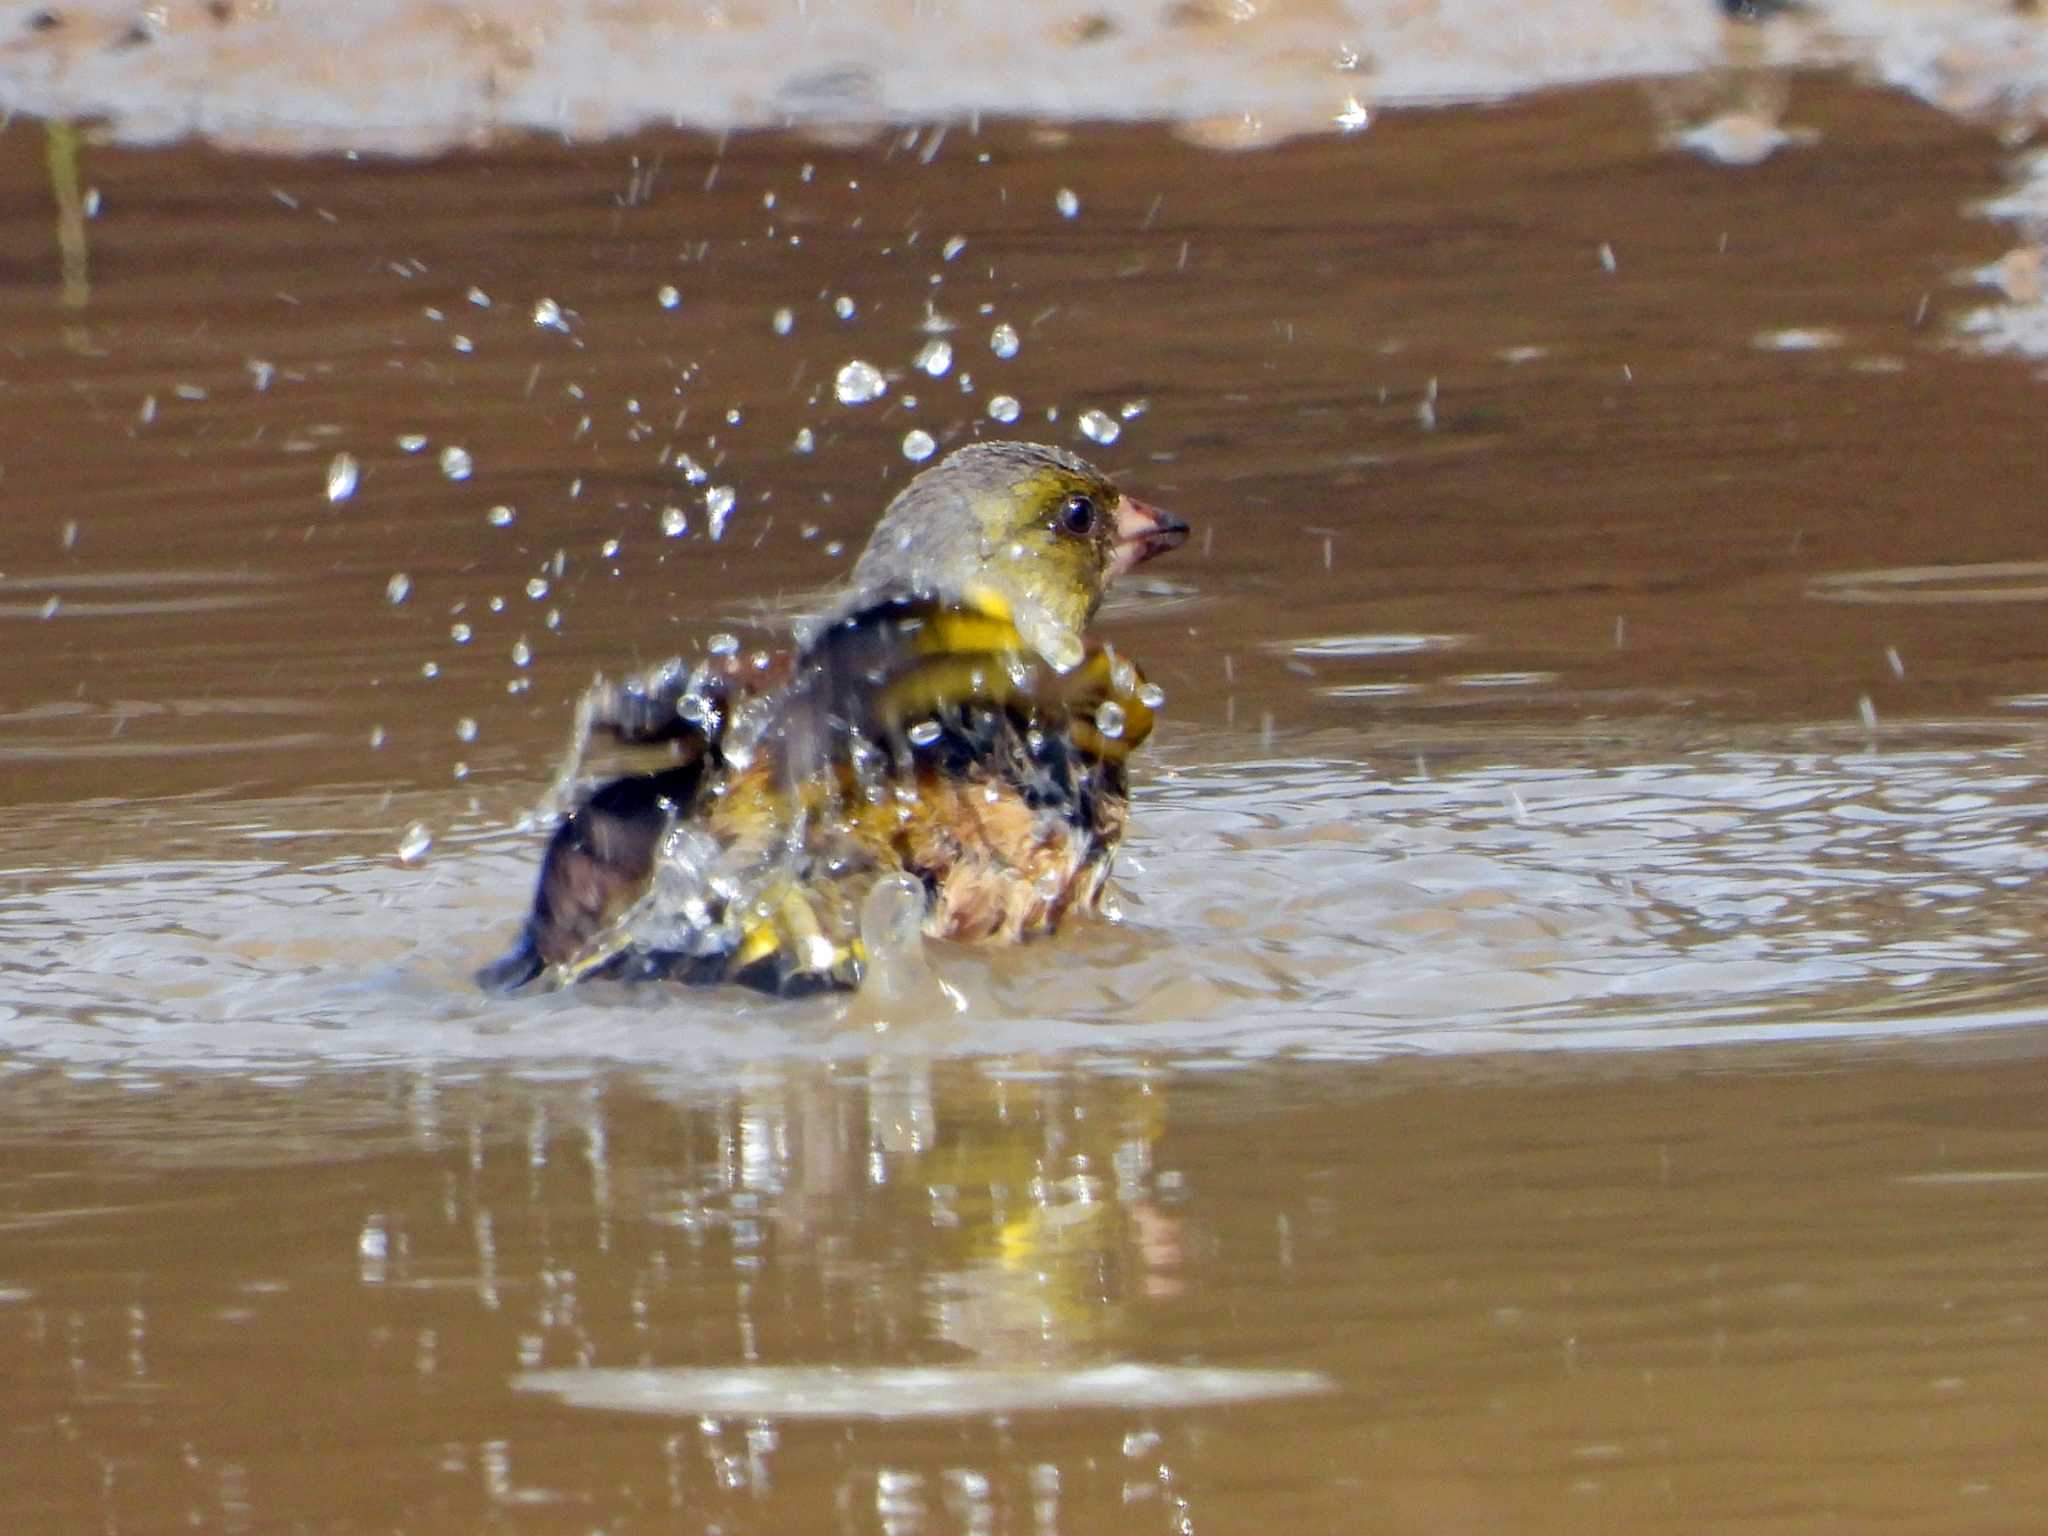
919, 1392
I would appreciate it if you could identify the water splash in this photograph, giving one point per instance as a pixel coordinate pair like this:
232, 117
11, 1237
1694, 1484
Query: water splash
858, 382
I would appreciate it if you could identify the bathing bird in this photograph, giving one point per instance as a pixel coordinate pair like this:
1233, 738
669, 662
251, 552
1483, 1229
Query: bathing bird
943, 733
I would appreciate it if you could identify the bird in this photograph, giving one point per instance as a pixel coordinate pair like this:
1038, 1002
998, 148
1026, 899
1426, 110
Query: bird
943, 734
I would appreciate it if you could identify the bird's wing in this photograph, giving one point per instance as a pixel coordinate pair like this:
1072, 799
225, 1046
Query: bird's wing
892, 666
775, 782
599, 868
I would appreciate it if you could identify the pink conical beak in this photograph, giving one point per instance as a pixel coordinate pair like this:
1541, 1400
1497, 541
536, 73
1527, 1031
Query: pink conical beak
1141, 532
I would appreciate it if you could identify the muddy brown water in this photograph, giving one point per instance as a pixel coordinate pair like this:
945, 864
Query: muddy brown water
1572, 1059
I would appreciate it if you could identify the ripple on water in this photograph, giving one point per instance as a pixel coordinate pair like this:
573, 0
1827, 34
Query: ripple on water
1375, 645
2007, 581
75, 595
1307, 907
854, 1392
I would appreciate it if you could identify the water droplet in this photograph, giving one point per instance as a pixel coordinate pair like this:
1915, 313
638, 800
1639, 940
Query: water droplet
462, 343
673, 522
430, 669
547, 314
1131, 410
500, 517
1151, 695
924, 733
953, 247
918, 445
398, 588
1109, 718
51, 605
667, 297
1067, 203
1064, 650
1004, 408
785, 321
459, 633
609, 549
858, 383
412, 442
479, 298
1100, 427
1353, 117
455, 462
522, 653
465, 729
412, 847
536, 587
343, 473
718, 504
693, 472
723, 644
844, 307
1003, 340
805, 442
376, 737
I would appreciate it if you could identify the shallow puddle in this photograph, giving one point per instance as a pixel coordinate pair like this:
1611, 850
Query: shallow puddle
1566, 1059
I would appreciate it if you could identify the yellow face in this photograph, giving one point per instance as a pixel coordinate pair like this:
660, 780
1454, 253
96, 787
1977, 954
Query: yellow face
1046, 539
1026, 533
1053, 540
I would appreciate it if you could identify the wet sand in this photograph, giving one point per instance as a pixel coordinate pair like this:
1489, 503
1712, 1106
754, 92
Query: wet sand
1576, 653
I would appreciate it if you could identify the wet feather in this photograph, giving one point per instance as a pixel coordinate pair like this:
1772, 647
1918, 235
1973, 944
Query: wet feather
944, 717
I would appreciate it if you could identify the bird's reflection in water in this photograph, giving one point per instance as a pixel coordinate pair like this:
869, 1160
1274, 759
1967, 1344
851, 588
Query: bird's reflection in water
949, 1211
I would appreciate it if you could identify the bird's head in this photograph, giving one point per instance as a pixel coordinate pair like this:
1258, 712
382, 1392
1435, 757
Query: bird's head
1025, 532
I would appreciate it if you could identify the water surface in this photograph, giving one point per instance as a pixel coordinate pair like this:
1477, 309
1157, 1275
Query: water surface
1566, 1060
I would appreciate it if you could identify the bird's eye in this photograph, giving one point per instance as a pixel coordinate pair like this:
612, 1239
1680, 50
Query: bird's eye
1078, 515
